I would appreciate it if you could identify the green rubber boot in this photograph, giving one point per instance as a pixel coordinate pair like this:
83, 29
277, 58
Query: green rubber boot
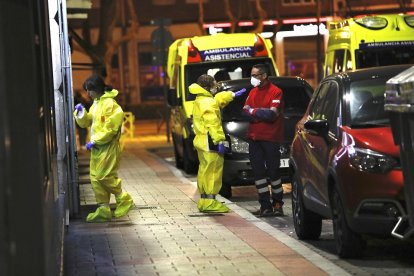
124, 203
102, 214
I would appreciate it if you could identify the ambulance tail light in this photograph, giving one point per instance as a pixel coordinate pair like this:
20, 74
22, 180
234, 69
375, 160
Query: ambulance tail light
372, 22
193, 53
409, 20
260, 47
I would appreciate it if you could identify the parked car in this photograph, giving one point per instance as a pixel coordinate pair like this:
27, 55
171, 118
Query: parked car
344, 164
237, 169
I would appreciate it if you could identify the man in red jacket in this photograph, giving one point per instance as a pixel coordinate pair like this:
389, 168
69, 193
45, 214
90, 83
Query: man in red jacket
265, 106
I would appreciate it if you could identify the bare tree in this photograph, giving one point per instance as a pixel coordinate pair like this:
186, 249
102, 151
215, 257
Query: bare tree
112, 45
262, 16
229, 13
201, 16
404, 4
102, 52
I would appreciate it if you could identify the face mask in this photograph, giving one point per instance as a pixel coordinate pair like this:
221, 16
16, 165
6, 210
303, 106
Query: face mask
214, 89
93, 94
255, 82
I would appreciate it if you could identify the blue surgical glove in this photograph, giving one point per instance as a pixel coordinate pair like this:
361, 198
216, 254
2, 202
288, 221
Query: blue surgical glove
240, 92
90, 145
221, 149
79, 107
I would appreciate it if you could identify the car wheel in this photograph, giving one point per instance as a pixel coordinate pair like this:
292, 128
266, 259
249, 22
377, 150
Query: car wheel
178, 158
308, 225
225, 190
189, 166
348, 243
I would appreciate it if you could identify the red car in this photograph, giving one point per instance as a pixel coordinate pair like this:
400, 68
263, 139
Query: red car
344, 165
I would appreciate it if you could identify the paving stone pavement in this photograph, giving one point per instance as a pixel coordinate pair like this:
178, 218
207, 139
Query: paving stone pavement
165, 234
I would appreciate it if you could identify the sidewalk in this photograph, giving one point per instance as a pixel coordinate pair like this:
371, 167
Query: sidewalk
165, 234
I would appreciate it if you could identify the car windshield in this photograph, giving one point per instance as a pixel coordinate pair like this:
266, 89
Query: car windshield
224, 70
366, 103
386, 56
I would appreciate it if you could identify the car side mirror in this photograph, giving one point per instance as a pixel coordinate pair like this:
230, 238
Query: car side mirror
172, 98
317, 127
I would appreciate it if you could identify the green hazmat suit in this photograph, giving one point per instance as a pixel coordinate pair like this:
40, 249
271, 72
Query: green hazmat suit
105, 118
207, 121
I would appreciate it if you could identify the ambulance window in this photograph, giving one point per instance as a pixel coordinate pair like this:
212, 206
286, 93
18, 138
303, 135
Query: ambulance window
348, 61
175, 77
338, 61
328, 63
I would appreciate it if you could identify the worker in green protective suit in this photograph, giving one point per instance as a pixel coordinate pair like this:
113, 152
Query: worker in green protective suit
207, 127
105, 119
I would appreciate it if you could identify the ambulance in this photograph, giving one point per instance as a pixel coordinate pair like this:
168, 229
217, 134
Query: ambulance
369, 41
224, 56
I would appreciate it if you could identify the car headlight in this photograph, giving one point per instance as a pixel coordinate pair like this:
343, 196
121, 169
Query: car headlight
238, 145
371, 161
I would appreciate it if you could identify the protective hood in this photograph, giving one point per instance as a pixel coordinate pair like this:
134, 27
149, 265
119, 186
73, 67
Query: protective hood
198, 90
110, 94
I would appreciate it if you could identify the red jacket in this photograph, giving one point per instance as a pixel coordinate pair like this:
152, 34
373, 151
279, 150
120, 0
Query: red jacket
266, 97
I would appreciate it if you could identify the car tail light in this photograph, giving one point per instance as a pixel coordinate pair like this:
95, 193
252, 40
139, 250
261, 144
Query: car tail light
371, 161
260, 47
372, 22
193, 53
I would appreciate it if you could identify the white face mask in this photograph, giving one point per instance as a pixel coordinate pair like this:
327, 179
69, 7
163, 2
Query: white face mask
255, 82
93, 94
214, 89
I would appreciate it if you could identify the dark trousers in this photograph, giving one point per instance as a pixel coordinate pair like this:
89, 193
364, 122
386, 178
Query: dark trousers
265, 162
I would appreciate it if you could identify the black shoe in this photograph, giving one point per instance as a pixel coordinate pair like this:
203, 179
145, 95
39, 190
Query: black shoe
264, 212
278, 210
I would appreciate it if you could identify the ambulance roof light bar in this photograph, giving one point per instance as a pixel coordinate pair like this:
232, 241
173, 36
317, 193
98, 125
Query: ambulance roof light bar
259, 47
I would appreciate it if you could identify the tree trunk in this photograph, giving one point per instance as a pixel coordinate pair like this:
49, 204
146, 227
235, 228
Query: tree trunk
201, 17
229, 13
103, 51
262, 16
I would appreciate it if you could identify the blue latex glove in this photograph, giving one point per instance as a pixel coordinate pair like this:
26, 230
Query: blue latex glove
79, 107
240, 92
221, 149
90, 145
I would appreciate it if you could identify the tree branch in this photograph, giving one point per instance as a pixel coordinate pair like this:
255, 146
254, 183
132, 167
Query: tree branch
230, 15
262, 16
201, 16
